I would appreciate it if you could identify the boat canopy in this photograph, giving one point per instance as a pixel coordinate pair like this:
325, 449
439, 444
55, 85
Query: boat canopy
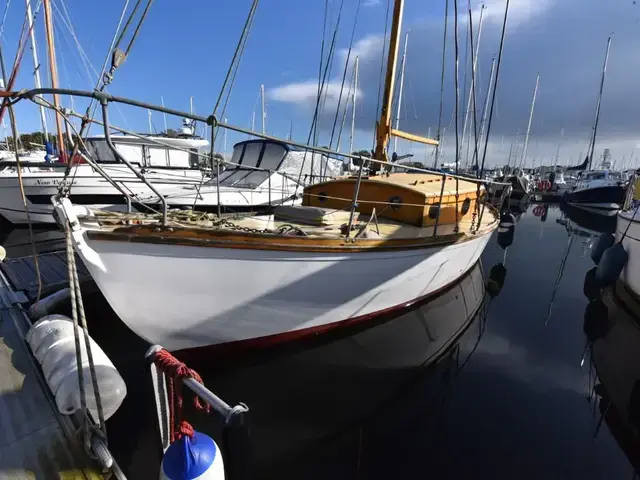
271, 156
147, 152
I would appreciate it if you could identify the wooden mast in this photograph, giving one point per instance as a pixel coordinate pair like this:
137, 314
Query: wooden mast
383, 128
54, 76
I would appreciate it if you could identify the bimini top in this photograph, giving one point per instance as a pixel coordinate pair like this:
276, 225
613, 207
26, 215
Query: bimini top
272, 156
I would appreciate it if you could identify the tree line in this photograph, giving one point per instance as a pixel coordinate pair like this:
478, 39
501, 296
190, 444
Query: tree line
32, 140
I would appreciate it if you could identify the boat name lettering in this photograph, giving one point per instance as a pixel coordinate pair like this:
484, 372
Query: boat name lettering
54, 181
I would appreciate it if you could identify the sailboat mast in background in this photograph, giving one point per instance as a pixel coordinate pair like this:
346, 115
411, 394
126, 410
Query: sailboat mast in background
595, 123
526, 137
36, 67
51, 49
402, 68
264, 114
353, 105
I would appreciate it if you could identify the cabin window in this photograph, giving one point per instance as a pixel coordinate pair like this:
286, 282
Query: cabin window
252, 154
465, 206
179, 158
237, 154
272, 156
434, 210
254, 179
395, 202
157, 157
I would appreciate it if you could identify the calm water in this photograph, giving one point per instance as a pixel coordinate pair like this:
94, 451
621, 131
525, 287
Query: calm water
469, 385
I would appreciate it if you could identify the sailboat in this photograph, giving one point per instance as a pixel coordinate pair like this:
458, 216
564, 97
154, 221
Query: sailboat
357, 247
601, 189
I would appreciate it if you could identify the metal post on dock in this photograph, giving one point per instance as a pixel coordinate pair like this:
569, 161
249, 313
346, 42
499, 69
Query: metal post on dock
235, 432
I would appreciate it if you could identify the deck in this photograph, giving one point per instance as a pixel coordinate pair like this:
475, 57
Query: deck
35, 440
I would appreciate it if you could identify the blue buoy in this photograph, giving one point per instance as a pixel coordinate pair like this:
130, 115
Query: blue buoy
506, 229
611, 264
193, 458
605, 240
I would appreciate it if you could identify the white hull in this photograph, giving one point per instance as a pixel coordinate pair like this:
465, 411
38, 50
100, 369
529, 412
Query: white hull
88, 188
184, 297
631, 272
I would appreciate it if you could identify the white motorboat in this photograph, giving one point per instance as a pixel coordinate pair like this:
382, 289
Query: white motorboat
167, 162
261, 174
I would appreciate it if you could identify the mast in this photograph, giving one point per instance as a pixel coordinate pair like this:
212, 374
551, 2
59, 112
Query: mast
264, 115
51, 50
558, 150
150, 123
471, 86
36, 68
404, 62
353, 105
526, 137
595, 124
164, 115
383, 128
224, 139
486, 105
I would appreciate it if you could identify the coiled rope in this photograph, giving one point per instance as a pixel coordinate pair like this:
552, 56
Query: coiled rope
176, 371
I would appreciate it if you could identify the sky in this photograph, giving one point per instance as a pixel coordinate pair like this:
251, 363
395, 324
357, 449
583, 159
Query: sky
184, 50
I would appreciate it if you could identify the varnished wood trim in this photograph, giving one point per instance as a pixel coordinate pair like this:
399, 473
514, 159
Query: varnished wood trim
256, 241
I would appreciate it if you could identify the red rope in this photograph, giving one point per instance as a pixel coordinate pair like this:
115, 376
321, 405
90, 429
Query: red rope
176, 371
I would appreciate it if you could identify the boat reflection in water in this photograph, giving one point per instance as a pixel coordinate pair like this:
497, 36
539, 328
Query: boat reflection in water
589, 221
612, 329
325, 390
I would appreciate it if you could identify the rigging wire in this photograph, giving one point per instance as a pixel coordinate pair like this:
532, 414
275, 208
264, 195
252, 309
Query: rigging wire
232, 72
237, 55
116, 59
457, 99
382, 64
346, 108
4, 17
444, 59
344, 77
473, 94
320, 65
14, 128
314, 121
495, 86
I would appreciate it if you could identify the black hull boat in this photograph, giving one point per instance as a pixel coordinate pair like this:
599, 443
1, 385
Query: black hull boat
606, 198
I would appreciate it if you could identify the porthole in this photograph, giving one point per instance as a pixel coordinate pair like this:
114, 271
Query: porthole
434, 210
395, 203
322, 197
465, 206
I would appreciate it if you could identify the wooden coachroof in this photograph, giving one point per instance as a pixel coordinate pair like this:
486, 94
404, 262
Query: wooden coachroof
404, 197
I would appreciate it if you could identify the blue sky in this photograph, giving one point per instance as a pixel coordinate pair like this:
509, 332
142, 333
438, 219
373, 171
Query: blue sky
185, 47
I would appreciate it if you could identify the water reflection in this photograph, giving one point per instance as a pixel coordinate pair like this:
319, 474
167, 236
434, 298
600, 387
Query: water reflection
611, 327
322, 393
17, 241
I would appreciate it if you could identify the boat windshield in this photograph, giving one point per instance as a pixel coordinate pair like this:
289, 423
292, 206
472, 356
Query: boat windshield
147, 155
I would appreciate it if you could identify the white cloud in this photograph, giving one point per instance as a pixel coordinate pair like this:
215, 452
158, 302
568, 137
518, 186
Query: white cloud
371, 3
519, 10
305, 93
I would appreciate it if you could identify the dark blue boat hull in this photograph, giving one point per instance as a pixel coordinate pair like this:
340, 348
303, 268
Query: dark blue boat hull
605, 198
